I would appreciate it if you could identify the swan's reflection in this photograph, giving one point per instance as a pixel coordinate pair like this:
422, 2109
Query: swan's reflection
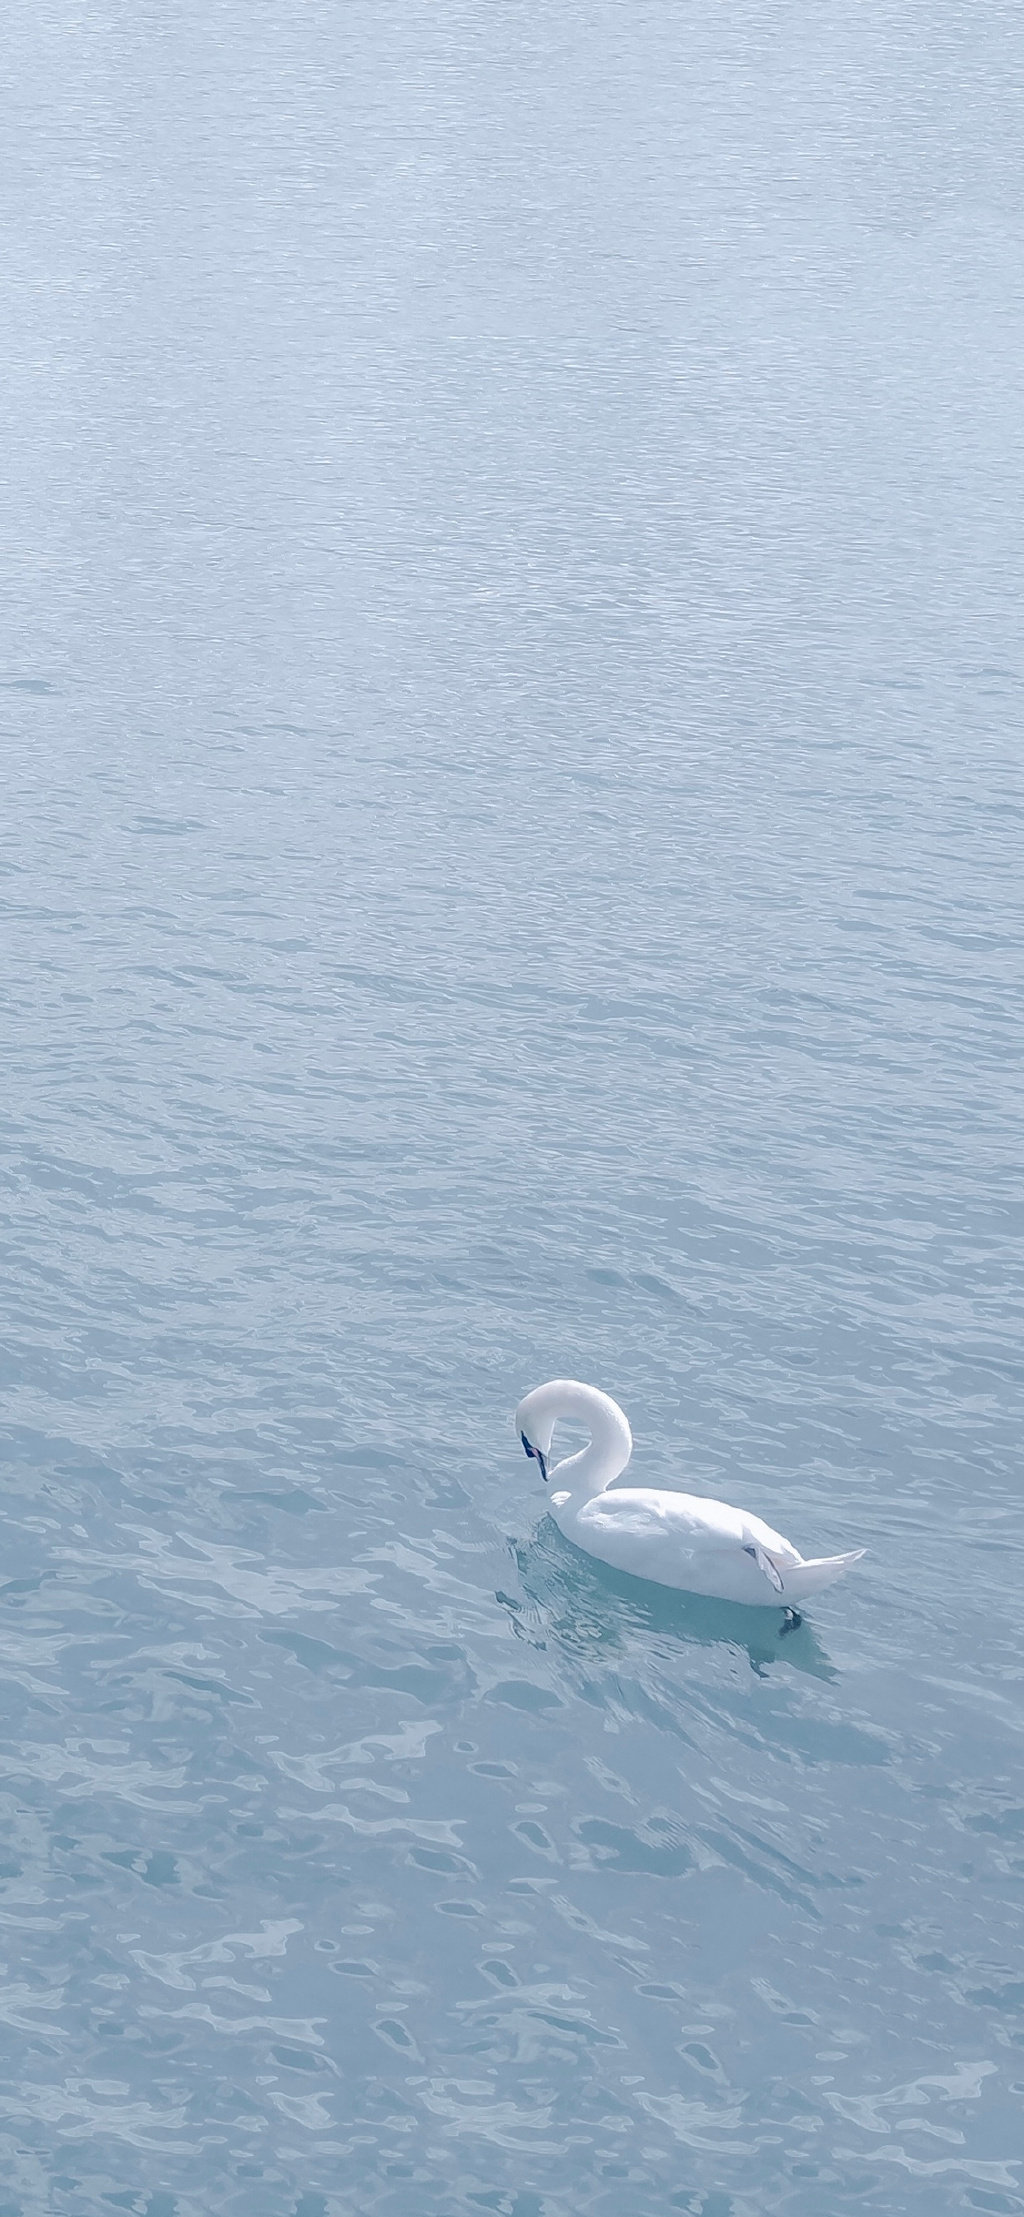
588, 1609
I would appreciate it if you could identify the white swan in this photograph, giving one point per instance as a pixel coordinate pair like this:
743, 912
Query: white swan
678, 1539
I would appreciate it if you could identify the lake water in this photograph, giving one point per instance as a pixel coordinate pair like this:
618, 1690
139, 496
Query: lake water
513, 801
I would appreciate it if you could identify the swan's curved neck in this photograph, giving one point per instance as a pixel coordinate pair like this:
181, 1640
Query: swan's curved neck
611, 1441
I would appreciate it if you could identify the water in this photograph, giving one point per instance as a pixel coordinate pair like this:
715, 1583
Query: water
513, 794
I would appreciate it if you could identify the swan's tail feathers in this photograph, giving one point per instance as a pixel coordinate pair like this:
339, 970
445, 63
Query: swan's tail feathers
800, 1580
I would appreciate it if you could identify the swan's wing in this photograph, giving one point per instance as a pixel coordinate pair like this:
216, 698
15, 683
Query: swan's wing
690, 1518
632, 1532
645, 1514
686, 1540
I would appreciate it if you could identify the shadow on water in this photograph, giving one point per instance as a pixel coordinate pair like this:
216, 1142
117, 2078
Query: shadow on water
588, 1609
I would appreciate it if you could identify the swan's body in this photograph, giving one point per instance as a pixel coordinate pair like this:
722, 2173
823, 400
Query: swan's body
677, 1539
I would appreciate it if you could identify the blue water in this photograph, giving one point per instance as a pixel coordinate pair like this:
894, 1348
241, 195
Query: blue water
513, 799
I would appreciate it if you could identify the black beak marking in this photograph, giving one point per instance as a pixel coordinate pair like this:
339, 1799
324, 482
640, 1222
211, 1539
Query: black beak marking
536, 1456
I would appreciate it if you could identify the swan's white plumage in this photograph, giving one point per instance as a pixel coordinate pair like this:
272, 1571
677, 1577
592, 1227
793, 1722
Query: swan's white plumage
676, 1539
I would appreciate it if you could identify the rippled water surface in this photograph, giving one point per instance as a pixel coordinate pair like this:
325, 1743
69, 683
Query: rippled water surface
512, 781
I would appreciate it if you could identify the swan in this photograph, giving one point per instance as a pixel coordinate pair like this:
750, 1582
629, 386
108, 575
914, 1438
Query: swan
677, 1539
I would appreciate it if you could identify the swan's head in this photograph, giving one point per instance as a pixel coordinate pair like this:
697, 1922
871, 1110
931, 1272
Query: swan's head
611, 1441
535, 1424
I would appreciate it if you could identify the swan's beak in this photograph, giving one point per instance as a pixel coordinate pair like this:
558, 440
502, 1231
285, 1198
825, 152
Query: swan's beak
536, 1456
